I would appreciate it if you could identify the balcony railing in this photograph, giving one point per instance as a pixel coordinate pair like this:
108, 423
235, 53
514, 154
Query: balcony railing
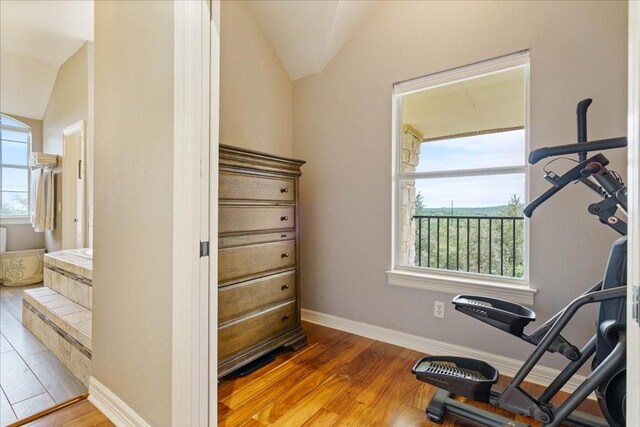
476, 244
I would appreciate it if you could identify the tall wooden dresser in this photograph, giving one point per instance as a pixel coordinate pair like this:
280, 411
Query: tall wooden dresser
258, 257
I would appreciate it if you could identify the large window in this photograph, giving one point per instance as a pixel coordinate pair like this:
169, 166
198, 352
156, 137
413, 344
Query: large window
15, 146
460, 179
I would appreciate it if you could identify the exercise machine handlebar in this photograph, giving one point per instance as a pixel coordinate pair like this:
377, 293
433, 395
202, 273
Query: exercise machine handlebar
575, 173
581, 112
528, 210
602, 144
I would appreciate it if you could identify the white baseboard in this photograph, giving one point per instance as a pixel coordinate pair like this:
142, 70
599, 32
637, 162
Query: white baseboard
113, 407
505, 365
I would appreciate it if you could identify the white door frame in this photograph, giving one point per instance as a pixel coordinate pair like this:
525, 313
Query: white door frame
195, 141
214, 137
633, 255
69, 213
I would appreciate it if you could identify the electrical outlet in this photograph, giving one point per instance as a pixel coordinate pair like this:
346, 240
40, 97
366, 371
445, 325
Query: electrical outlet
438, 310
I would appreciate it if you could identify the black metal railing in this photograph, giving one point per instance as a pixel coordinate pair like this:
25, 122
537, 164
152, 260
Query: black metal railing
478, 244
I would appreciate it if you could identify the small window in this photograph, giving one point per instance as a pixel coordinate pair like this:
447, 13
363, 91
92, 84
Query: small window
15, 146
460, 176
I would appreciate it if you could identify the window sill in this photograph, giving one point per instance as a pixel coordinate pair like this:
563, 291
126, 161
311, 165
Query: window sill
16, 220
455, 285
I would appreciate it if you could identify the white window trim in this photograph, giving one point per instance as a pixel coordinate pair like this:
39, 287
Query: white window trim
15, 220
515, 290
455, 284
20, 219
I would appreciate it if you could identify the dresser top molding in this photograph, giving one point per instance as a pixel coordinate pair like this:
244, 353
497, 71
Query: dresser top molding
241, 158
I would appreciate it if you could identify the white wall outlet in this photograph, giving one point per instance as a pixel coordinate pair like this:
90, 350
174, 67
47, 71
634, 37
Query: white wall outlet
438, 310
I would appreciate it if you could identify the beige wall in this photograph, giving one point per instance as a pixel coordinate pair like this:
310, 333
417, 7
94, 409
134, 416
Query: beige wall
68, 103
132, 273
21, 236
36, 131
342, 127
255, 91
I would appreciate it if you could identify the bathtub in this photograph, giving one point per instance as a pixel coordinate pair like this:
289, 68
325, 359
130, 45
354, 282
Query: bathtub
22, 267
83, 252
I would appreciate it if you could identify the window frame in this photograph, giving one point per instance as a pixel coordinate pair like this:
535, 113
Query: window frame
18, 219
447, 281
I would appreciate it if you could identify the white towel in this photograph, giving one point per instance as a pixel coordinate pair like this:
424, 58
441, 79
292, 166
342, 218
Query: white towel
49, 219
37, 199
42, 211
36, 159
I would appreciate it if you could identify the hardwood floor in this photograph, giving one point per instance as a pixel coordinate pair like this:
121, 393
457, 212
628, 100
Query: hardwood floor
339, 379
31, 377
80, 414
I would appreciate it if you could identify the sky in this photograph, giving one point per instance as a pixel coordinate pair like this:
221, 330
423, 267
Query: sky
14, 152
476, 152
14, 179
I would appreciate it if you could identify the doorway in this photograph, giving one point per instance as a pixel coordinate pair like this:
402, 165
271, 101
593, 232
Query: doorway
73, 186
46, 320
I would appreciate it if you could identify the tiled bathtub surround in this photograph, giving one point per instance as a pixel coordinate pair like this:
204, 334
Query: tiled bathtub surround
59, 314
71, 262
68, 275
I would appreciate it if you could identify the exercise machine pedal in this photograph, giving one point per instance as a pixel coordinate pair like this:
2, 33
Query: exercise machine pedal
504, 315
465, 377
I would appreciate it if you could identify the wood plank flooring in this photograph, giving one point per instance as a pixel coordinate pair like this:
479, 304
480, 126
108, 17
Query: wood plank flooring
339, 379
81, 414
31, 377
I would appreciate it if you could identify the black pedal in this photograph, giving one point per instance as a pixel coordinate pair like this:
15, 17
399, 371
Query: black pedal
465, 377
504, 315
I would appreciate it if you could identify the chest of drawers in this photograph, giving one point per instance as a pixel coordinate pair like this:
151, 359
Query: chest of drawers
258, 277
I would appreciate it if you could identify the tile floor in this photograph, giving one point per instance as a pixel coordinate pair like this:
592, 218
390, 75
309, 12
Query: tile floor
31, 378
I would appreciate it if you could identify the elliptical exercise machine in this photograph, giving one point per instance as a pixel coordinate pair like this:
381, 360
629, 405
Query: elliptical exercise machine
477, 380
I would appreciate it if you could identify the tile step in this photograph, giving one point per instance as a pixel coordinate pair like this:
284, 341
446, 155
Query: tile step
76, 288
62, 325
68, 261
69, 316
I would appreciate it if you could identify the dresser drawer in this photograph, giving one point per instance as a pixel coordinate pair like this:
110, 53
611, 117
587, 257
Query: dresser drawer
234, 186
233, 219
254, 239
240, 335
242, 298
245, 261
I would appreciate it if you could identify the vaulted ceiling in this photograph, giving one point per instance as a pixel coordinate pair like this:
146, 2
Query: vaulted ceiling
36, 37
307, 34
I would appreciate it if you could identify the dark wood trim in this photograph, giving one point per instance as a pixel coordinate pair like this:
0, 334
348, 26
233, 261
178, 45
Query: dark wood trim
225, 367
236, 157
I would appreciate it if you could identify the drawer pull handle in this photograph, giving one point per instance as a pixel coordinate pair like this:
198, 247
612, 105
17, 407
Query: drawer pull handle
284, 218
284, 190
282, 236
285, 317
284, 287
285, 255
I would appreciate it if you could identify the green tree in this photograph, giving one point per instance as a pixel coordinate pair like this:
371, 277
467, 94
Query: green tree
19, 206
465, 244
514, 207
420, 208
